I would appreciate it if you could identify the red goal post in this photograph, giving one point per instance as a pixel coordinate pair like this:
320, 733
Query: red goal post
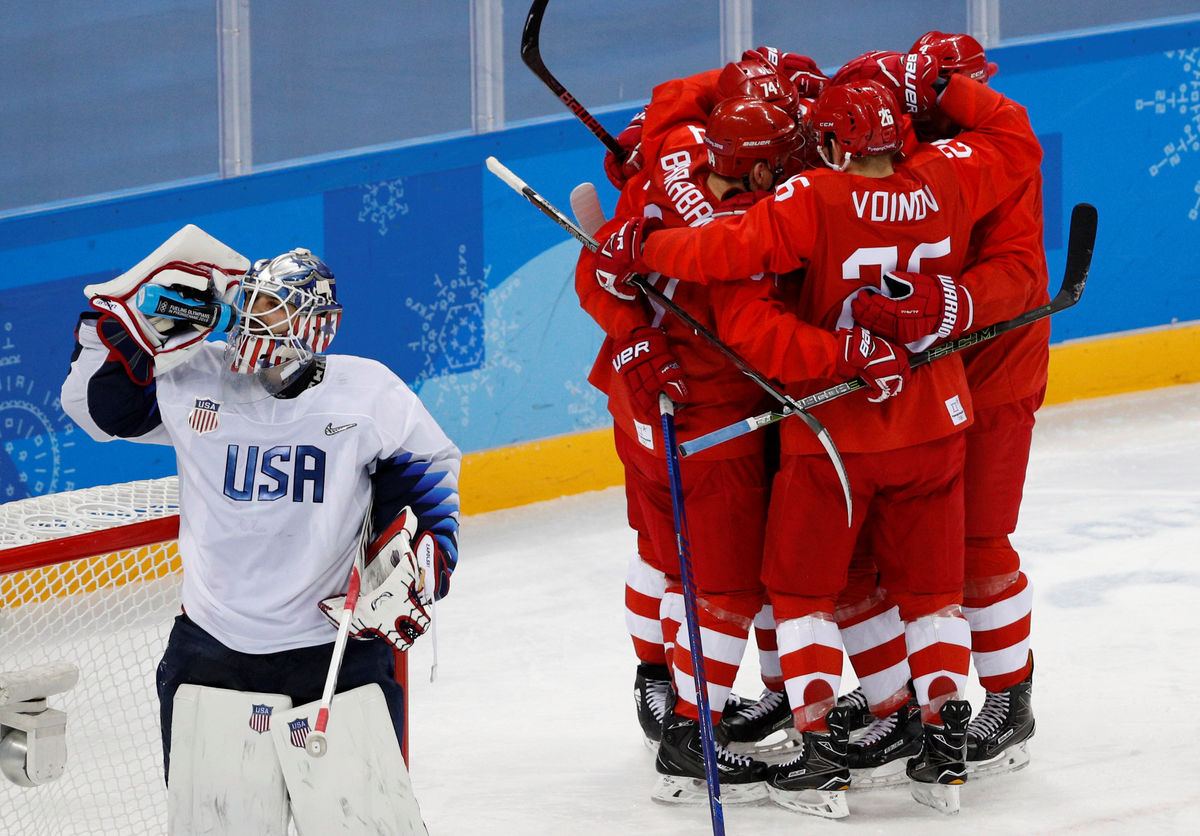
91, 577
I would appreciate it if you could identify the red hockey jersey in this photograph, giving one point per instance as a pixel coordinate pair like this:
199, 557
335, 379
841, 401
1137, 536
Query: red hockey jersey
850, 229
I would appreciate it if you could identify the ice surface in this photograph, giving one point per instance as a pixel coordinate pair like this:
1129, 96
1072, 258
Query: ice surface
530, 726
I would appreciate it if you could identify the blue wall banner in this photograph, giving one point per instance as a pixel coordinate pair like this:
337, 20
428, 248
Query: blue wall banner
466, 291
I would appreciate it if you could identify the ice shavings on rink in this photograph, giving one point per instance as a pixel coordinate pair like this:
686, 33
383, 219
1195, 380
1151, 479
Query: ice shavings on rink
530, 726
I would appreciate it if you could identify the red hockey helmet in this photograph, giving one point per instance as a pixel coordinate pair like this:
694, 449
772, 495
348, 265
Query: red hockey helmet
863, 117
743, 130
956, 54
861, 67
756, 78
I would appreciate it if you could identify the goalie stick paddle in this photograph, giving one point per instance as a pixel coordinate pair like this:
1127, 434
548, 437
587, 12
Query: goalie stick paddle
316, 745
790, 404
531, 54
1080, 242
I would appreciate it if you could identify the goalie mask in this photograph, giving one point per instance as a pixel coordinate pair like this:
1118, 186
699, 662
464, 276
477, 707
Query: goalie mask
287, 314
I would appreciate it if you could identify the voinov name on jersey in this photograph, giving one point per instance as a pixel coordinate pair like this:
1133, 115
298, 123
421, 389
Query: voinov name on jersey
894, 206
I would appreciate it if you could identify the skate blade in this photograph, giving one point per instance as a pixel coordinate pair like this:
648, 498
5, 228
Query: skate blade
828, 804
674, 789
941, 797
891, 774
780, 742
1010, 760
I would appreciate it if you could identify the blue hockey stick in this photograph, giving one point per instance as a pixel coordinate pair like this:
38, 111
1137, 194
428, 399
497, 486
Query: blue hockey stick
707, 740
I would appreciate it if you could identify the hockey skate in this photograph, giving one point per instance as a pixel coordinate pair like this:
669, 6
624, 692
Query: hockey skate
858, 713
997, 740
654, 698
941, 767
878, 758
746, 729
680, 765
815, 781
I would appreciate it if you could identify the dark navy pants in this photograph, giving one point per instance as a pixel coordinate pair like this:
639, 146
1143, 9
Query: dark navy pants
193, 657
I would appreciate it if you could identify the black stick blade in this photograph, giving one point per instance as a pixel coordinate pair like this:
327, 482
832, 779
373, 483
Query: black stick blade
1081, 241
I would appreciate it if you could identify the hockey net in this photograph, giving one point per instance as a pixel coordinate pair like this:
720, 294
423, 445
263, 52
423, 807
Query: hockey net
91, 577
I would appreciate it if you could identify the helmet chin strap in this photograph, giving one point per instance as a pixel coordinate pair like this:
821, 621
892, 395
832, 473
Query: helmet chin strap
845, 159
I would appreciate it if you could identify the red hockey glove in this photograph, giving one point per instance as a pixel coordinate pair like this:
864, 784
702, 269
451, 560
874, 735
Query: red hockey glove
881, 365
618, 259
649, 368
911, 76
798, 69
933, 306
620, 171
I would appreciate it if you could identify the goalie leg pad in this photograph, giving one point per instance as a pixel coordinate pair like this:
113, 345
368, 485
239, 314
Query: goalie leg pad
361, 785
225, 777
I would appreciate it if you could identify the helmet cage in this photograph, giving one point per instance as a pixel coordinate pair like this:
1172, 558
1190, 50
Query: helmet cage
287, 311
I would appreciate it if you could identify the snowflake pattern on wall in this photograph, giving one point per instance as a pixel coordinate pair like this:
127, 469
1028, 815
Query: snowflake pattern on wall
451, 338
460, 388
1182, 100
382, 202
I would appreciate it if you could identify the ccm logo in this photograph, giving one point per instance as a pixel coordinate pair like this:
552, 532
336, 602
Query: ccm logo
631, 353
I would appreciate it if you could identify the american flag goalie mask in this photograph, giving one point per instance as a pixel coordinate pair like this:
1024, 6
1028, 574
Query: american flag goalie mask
287, 311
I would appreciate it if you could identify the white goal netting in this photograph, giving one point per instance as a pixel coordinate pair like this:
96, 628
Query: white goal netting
107, 610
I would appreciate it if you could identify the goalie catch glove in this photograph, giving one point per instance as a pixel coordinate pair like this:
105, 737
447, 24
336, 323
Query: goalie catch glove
922, 309
881, 365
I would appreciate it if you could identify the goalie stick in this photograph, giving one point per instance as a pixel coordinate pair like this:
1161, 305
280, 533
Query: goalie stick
531, 54
791, 406
1080, 242
316, 745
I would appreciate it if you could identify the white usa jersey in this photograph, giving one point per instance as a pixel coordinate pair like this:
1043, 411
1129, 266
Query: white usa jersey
275, 494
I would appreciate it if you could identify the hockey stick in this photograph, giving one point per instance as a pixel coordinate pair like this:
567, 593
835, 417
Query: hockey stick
708, 747
531, 54
316, 744
1081, 240
789, 403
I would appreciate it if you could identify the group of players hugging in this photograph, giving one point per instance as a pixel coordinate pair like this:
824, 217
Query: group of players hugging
824, 228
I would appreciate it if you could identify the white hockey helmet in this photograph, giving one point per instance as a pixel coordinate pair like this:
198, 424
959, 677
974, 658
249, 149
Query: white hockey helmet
287, 313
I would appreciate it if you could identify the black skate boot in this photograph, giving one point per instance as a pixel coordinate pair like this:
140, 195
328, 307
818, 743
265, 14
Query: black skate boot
654, 698
751, 723
877, 759
680, 766
858, 713
815, 780
941, 767
996, 738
